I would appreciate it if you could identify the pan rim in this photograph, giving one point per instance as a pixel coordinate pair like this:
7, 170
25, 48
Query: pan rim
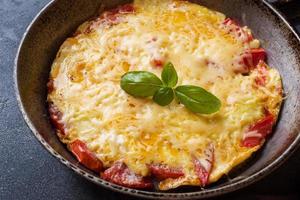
149, 194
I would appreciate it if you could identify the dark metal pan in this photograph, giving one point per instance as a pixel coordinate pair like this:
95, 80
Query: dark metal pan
59, 19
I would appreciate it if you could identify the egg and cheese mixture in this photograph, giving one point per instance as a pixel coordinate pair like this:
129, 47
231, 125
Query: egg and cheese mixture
115, 126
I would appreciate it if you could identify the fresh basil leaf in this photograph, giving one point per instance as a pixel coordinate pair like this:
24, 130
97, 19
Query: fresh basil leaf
169, 75
164, 96
140, 83
197, 99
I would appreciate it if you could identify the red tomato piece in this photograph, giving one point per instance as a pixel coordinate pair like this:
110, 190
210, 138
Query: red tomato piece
126, 8
258, 55
157, 62
237, 31
262, 74
251, 59
85, 156
257, 132
110, 17
263, 126
251, 142
50, 86
229, 21
162, 171
204, 165
245, 63
55, 118
120, 174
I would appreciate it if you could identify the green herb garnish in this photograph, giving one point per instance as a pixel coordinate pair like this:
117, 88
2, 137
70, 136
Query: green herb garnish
147, 84
197, 99
169, 75
140, 83
164, 96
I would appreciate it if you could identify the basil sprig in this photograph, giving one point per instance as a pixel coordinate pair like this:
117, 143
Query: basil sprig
147, 84
197, 99
164, 96
169, 75
140, 83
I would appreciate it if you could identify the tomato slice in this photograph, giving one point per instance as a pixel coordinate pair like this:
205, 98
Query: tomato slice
263, 126
157, 62
120, 174
204, 165
229, 21
125, 9
257, 132
85, 156
50, 85
258, 55
111, 17
162, 171
237, 31
261, 78
251, 142
55, 118
253, 57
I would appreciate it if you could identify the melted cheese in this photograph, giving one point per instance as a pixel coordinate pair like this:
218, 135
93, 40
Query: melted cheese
117, 126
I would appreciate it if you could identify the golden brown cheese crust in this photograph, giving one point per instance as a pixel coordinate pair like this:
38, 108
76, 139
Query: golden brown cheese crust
137, 138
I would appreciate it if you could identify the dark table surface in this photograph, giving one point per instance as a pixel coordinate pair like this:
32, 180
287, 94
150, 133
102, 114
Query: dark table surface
28, 171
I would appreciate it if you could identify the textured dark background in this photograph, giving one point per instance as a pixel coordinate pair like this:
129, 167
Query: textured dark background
28, 171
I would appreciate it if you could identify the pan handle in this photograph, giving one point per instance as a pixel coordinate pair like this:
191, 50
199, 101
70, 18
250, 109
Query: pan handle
279, 1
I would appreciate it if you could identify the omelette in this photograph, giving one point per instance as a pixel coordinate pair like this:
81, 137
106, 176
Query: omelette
133, 141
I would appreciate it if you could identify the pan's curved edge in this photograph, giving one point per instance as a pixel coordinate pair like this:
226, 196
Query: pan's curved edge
296, 143
280, 15
145, 194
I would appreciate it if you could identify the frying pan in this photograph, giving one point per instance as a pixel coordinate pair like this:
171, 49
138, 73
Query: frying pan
59, 19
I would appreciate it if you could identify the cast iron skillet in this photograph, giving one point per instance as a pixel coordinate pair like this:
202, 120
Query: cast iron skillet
59, 19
